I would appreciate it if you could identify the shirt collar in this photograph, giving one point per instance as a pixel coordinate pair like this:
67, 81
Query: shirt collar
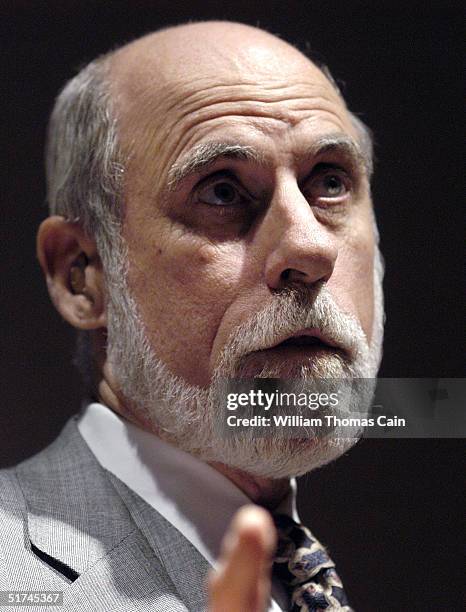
194, 497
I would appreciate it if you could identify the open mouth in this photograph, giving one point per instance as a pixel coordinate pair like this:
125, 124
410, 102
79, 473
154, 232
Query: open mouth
311, 339
303, 341
286, 358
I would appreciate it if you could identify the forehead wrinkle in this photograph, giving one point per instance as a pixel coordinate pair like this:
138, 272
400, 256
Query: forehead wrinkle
202, 106
257, 89
193, 123
203, 101
204, 155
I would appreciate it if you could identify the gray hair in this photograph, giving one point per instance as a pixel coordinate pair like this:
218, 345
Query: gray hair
84, 164
85, 171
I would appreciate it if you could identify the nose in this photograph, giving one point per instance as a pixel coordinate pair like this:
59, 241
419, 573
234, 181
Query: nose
299, 249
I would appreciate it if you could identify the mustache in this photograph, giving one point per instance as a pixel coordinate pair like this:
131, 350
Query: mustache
291, 311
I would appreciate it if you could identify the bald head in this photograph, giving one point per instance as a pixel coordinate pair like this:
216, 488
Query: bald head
174, 66
238, 49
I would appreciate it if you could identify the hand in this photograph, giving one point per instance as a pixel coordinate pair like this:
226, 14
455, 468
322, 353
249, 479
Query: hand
243, 579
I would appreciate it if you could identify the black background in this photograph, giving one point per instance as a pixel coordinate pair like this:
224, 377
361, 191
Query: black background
389, 510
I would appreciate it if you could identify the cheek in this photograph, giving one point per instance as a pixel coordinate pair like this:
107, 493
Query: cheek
183, 293
353, 281
205, 269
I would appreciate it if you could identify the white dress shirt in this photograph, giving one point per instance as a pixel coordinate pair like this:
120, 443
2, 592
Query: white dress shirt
194, 497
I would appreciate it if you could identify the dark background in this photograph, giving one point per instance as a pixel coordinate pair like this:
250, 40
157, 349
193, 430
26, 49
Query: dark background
389, 510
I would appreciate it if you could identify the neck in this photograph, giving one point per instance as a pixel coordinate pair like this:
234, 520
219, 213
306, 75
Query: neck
266, 492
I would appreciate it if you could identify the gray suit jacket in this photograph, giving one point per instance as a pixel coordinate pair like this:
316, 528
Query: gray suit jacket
67, 524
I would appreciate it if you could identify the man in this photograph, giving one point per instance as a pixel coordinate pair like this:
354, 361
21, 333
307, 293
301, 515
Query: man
210, 219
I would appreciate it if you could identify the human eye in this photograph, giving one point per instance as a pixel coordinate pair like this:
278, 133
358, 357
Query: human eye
328, 185
220, 191
331, 186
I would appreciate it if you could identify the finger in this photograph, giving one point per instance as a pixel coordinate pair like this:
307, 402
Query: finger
242, 580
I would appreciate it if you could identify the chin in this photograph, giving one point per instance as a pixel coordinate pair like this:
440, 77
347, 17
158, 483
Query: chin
277, 458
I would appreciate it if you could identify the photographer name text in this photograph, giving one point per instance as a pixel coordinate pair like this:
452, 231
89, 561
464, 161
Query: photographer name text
329, 420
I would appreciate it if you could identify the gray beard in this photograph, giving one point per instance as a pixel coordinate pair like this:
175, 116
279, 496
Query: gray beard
190, 417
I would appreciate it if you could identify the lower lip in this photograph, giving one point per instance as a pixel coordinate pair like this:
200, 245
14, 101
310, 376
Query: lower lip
291, 354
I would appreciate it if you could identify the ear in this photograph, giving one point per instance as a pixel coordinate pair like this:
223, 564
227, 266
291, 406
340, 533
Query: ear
73, 270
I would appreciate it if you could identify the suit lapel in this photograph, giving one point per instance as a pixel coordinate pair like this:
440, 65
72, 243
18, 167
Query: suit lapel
130, 578
126, 554
71, 514
186, 567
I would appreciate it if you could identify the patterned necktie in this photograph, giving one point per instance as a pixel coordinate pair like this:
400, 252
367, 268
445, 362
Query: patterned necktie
303, 566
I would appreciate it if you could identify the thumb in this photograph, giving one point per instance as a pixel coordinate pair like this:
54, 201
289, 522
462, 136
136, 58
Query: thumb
243, 578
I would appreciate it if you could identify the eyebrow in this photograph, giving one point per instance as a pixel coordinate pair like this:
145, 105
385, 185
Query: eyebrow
206, 154
344, 145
